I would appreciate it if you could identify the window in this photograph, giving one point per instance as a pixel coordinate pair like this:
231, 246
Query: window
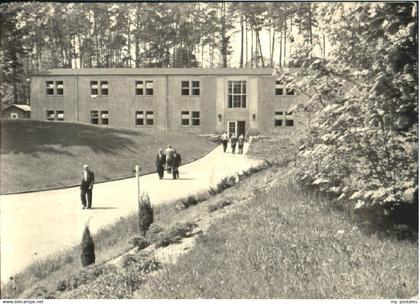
282, 90
50, 87
195, 118
279, 88
94, 117
144, 87
139, 87
60, 87
50, 115
149, 87
14, 115
278, 119
190, 86
283, 119
94, 88
185, 88
195, 88
104, 117
60, 115
185, 118
289, 119
237, 94
139, 118
98, 88
149, 118
104, 88
55, 87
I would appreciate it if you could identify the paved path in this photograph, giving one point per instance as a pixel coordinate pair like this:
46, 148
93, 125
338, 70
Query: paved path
40, 223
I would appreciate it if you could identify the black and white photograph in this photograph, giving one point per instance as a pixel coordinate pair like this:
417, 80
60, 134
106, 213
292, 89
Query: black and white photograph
243, 150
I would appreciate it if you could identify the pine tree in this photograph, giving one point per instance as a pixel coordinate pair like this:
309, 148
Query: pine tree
145, 214
88, 248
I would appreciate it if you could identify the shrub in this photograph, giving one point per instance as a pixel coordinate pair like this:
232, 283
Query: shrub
194, 199
175, 233
145, 214
140, 242
88, 248
225, 183
220, 204
113, 282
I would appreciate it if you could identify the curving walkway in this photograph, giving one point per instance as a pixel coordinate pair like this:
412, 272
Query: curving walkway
41, 223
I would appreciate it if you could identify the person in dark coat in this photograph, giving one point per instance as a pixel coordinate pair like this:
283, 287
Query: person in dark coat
241, 141
175, 164
224, 138
169, 158
86, 186
160, 163
233, 143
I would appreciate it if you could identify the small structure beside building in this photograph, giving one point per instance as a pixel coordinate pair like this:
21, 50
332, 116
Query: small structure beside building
16, 111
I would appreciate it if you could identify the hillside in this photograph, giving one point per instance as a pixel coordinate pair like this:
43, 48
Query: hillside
40, 155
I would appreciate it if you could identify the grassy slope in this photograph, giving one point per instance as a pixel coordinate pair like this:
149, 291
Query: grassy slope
285, 245
40, 155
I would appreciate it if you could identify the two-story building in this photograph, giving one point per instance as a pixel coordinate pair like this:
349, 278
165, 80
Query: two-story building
193, 99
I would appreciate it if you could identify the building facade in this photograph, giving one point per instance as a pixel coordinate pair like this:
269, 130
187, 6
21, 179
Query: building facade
191, 100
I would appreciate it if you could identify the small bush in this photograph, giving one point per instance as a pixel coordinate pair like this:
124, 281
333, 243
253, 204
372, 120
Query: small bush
153, 233
88, 248
220, 204
140, 242
114, 282
225, 183
193, 200
175, 234
145, 214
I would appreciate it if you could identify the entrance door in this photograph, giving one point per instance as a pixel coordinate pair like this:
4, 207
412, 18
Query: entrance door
236, 127
232, 127
241, 128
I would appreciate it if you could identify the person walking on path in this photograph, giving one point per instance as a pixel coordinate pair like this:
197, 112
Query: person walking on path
86, 187
176, 164
160, 163
224, 138
241, 141
233, 143
169, 158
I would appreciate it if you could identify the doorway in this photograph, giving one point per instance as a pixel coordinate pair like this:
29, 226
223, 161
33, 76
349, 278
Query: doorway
236, 127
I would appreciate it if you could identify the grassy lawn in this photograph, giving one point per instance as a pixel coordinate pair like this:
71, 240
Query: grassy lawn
40, 155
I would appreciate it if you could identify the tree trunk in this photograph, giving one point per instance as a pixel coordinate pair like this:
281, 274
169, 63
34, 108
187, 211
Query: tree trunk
246, 44
310, 23
252, 47
261, 54
285, 40
273, 43
280, 49
241, 61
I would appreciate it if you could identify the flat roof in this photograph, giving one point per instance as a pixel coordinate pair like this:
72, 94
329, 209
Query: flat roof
157, 71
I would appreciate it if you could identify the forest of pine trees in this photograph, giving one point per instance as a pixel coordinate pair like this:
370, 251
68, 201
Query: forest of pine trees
40, 36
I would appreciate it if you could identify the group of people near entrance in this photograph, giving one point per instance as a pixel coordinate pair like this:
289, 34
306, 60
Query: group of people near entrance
169, 158
233, 140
